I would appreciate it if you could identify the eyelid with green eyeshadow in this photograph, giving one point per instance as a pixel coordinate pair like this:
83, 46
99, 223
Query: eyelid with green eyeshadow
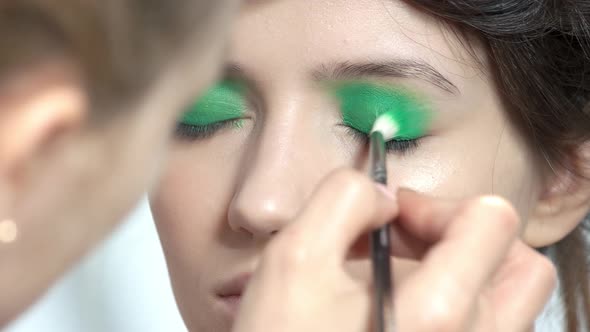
223, 105
361, 103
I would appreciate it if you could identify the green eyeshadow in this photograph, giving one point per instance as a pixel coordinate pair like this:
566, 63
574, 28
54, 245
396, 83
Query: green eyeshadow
223, 102
362, 103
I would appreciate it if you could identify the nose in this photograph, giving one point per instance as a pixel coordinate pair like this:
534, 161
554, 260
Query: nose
260, 216
278, 175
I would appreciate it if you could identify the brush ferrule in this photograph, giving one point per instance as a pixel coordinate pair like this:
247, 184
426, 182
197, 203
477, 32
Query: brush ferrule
377, 157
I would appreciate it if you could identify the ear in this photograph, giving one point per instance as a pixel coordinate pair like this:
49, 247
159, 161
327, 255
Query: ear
37, 107
563, 205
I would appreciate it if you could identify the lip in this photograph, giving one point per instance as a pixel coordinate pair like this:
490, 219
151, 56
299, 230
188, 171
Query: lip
229, 293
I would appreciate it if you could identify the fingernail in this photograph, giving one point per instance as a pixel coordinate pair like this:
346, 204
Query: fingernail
389, 193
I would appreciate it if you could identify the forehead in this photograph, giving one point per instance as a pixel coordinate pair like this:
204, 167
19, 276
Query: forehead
306, 33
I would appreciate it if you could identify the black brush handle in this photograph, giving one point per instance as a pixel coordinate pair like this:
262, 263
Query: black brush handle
380, 248
381, 244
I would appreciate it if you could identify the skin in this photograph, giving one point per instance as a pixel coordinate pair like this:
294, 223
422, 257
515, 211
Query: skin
47, 141
305, 271
222, 199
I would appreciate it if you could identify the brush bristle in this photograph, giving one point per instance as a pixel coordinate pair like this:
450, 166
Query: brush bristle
386, 125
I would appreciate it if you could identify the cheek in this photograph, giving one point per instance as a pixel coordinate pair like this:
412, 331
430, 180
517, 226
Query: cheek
190, 204
516, 175
480, 158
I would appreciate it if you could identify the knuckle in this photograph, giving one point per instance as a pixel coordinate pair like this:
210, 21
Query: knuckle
545, 270
285, 255
538, 272
351, 180
355, 187
440, 314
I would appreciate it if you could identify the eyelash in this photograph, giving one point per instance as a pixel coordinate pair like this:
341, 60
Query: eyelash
193, 133
402, 147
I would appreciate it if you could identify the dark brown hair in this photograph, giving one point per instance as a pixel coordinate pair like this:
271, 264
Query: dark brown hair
540, 54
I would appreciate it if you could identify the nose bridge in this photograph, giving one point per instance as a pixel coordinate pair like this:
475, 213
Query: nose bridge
279, 172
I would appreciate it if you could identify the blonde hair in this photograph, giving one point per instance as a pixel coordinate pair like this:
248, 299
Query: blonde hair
120, 46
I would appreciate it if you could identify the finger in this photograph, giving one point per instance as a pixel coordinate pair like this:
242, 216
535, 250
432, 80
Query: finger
420, 222
522, 287
362, 271
405, 245
472, 247
422, 216
344, 206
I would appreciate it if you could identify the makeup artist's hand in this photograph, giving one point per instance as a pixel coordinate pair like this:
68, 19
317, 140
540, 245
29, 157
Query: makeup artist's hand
464, 268
474, 273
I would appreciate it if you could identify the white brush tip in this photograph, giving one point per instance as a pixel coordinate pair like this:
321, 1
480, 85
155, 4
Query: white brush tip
386, 125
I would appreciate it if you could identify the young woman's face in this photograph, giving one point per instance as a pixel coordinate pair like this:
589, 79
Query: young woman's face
251, 152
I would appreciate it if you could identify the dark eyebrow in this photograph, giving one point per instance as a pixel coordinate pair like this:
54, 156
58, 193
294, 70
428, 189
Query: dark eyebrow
395, 68
233, 70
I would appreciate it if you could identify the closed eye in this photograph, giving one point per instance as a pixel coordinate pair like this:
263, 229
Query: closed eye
199, 132
402, 146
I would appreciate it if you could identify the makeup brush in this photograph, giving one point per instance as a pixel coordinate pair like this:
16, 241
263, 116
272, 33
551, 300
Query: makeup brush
383, 113
384, 129
405, 119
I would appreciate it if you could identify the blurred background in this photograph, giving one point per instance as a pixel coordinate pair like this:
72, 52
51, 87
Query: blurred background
122, 286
